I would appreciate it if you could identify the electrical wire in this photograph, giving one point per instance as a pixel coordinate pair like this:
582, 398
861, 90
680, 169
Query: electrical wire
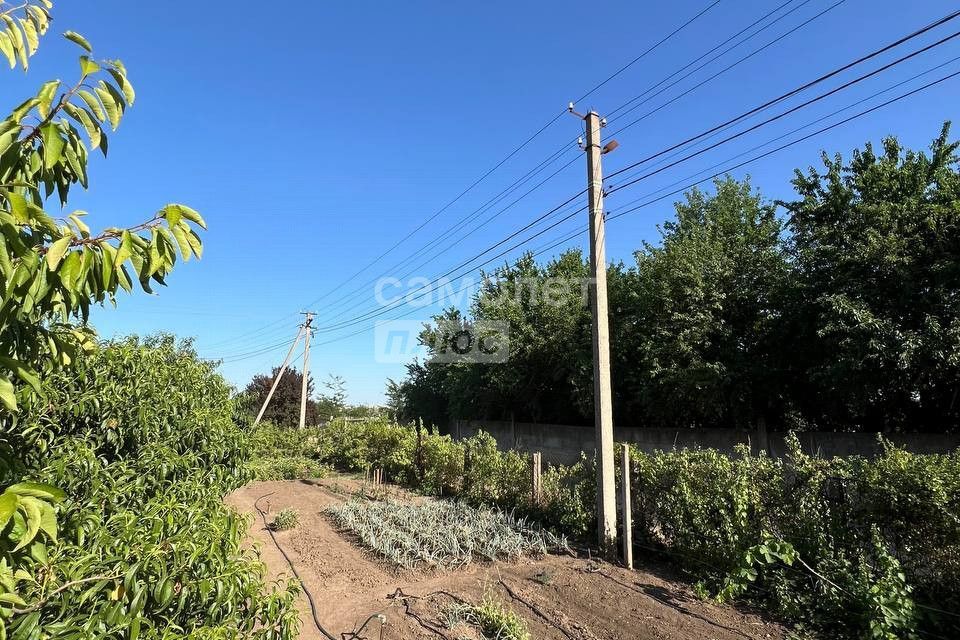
520, 147
776, 117
564, 148
726, 124
804, 87
819, 80
526, 142
700, 181
345, 310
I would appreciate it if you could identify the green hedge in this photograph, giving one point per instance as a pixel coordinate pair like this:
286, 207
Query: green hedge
140, 436
846, 547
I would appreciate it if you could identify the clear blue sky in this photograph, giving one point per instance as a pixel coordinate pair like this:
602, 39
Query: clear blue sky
312, 136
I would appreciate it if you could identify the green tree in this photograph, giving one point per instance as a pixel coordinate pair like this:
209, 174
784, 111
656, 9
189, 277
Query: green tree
695, 322
876, 321
284, 407
52, 267
334, 401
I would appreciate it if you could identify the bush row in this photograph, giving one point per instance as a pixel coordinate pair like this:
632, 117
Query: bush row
845, 547
141, 438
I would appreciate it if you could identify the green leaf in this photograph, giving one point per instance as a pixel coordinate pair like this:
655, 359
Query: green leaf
8, 506
56, 252
52, 145
110, 104
125, 250
18, 207
190, 215
88, 66
6, 139
87, 121
48, 521
38, 490
46, 95
76, 38
6, 47
94, 105
70, 271
31, 509
30, 32
107, 264
128, 93
182, 241
23, 372
7, 395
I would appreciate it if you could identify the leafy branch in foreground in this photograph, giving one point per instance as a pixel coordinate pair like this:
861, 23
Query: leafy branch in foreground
51, 271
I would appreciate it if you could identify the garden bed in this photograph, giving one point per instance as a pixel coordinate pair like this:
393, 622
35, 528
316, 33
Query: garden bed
559, 597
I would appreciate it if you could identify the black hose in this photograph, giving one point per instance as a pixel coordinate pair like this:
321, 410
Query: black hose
313, 607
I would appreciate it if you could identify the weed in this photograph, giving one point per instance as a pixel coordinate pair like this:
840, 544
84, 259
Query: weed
286, 519
491, 617
544, 577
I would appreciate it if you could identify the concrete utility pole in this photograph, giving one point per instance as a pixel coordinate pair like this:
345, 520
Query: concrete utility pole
602, 396
276, 381
306, 369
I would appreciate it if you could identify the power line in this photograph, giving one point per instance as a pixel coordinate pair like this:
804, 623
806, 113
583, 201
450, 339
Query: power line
646, 52
527, 141
729, 122
779, 116
717, 174
799, 89
791, 132
724, 141
791, 143
476, 214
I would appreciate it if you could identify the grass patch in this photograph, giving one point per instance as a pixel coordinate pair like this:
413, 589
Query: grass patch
441, 534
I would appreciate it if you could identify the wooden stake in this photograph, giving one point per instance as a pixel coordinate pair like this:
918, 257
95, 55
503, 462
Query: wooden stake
536, 469
627, 509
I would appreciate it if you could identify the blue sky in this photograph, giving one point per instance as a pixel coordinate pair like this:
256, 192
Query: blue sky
313, 136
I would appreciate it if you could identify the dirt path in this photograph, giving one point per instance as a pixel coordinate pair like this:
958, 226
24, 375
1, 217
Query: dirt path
561, 598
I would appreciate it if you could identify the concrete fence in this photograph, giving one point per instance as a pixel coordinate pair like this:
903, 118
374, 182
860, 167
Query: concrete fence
563, 443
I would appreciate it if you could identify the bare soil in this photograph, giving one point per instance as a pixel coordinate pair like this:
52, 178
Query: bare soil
560, 597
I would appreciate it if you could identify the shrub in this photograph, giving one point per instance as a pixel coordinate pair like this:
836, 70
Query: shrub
875, 538
140, 437
284, 453
874, 545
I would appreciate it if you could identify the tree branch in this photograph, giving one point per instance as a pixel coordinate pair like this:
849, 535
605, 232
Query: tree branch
61, 589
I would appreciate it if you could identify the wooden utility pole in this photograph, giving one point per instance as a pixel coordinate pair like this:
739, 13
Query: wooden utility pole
602, 396
276, 380
304, 388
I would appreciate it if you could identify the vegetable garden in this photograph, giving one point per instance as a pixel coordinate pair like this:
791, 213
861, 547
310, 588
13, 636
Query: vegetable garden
848, 547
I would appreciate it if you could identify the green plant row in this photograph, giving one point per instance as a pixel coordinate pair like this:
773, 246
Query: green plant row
845, 547
441, 534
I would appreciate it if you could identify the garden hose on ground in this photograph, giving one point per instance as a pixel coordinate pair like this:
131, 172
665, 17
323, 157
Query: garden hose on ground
313, 606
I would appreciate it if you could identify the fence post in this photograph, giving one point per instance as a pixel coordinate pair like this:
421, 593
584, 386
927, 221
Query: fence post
536, 467
467, 484
627, 509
